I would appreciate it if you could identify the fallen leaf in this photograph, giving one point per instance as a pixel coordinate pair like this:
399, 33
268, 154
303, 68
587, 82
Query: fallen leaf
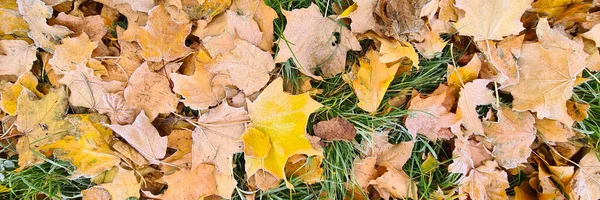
551, 8
35, 13
501, 66
248, 67
593, 34
304, 168
199, 90
127, 152
553, 131
262, 14
585, 181
371, 80
485, 182
163, 39
511, 136
87, 90
364, 171
17, 57
401, 17
95, 193
41, 121
490, 19
430, 117
180, 140
363, 18
432, 45
472, 95
216, 138
335, 129
150, 92
71, 53
123, 186
118, 110
87, 146
11, 92
191, 184
283, 118
578, 111
458, 77
311, 38
396, 184
13, 22
468, 155
142, 136
263, 180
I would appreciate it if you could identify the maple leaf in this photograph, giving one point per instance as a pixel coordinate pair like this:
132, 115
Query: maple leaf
216, 139
401, 17
282, 118
71, 53
593, 34
511, 136
471, 95
11, 92
502, 60
471, 154
430, 117
246, 65
143, 137
17, 58
262, 14
390, 155
87, 146
491, 19
12, 22
93, 26
35, 13
124, 185
150, 92
553, 131
362, 18
118, 110
95, 193
457, 77
191, 184
432, 45
311, 38
41, 121
199, 90
551, 8
163, 38
364, 171
585, 181
547, 77
87, 90
396, 184
371, 80
485, 182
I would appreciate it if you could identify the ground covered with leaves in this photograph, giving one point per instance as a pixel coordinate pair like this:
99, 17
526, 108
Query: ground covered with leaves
300, 99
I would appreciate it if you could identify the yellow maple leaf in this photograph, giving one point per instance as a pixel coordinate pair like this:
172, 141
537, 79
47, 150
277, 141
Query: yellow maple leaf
371, 80
12, 21
87, 147
458, 77
283, 118
72, 52
163, 38
491, 19
11, 92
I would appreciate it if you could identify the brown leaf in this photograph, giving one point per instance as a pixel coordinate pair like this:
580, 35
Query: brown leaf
118, 110
511, 136
396, 184
577, 110
163, 38
191, 184
262, 14
471, 154
585, 183
473, 94
310, 37
553, 131
150, 92
199, 90
144, 138
335, 129
364, 171
390, 155
485, 182
430, 117
401, 16
501, 65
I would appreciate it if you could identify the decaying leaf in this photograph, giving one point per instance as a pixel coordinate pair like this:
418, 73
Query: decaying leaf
335, 129
313, 41
143, 137
472, 95
471, 154
124, 185
282, 118
502, 60
491, 19
430, 117
485, 182
511, 136
35, 13
17, 57
585, 183
191, 184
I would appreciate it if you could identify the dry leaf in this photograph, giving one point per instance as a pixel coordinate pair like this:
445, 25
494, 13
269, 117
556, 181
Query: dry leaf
123, 186
430, 117
458, 77
191, 184
396, 184
262, 14
553, 131
11, 92
282, 118
35, 13
593, 34
71, 53
87, 90
17, 57
304, 168
364, 171
511, 136
248, 67
311, 38
577, 110
432, 45
501, 66
95, 193
485, 182
150, 92
370, 80
491, 19
13, 22
390, 155
87, 146
199, 90
163, 39
118, 110
585, 183
363, 18
471, 154
144, 138
335, 129
472, 95
401, 16
216, 138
